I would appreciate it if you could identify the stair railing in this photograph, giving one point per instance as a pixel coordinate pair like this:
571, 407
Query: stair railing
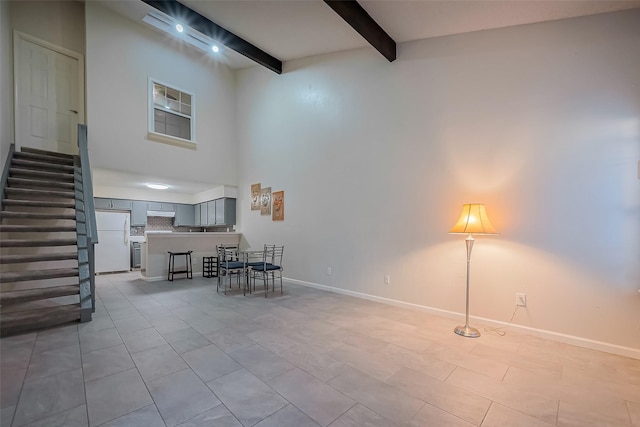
90, 222
5, 172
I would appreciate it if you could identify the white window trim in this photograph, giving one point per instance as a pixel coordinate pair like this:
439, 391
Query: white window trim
164, 138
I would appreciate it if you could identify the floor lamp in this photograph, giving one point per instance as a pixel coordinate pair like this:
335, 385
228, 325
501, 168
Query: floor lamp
473, 220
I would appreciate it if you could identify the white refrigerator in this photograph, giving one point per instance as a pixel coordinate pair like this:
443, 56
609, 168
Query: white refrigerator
112, 251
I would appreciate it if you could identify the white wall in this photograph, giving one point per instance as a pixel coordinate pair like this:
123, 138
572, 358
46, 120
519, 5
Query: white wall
121, 56
58, 22
6, 81
540, 122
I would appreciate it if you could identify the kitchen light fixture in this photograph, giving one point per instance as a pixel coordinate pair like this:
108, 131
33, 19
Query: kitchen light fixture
168, 25
473, 220
158, 186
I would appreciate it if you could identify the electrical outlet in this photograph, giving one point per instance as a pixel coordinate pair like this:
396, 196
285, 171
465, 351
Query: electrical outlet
329, 271
521, 300
387, 279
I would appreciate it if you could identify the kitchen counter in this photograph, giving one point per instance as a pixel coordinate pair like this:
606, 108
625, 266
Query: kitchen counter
155, 257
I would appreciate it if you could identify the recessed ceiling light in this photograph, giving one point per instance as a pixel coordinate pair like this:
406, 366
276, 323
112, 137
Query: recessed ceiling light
158, 186
188, 35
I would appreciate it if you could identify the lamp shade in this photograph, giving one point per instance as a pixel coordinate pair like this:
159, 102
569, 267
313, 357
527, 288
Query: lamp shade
473, 220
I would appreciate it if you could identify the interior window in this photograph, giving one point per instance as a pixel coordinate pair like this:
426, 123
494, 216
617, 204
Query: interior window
171, 111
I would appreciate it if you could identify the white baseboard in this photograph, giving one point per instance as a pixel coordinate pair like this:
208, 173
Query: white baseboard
160, 278
541, 333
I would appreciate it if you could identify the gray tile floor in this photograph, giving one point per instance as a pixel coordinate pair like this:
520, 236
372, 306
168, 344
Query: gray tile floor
178, 353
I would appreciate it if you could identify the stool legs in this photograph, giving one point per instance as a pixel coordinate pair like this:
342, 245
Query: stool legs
172, 264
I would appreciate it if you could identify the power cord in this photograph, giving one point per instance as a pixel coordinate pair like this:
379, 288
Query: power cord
499, 331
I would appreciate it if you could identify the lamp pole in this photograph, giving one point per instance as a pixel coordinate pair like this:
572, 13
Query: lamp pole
466, 330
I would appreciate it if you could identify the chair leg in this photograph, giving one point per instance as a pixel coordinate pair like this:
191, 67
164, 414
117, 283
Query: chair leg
265, 280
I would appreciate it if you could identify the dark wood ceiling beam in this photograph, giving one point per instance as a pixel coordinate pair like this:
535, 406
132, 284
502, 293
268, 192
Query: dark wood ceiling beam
365, 25
204, 25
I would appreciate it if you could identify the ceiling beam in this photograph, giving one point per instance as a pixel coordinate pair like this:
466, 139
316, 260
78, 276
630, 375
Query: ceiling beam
205, 26
359, 19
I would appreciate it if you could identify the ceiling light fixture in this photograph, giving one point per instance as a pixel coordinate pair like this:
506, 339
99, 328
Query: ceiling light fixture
158, 186
169, 25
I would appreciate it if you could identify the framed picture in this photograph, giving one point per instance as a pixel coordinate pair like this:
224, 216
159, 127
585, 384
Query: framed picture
255, 197
278, 206
265, 201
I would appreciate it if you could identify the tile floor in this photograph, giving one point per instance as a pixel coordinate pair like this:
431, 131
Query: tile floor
178, 354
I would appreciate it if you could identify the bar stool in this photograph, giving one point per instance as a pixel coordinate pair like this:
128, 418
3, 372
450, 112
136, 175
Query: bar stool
187, 261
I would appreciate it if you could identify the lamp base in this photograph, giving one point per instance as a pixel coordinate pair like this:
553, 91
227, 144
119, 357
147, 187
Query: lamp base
467, 331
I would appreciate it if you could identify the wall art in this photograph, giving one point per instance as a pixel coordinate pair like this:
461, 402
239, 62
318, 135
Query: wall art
278, 206
255, 197
265, 201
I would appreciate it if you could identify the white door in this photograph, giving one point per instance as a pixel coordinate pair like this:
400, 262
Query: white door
49, 95
112, 252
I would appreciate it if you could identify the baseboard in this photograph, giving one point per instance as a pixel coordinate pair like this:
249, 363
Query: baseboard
541, 333
161, 278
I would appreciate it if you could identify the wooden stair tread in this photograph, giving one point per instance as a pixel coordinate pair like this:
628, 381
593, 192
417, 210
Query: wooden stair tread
57, 256
15, 182
22, 296
44, 152
30, 164
28, 243
31, 192
43, 157
56, 176
23, 276
19, 321
39, 203
36, 215
36, 228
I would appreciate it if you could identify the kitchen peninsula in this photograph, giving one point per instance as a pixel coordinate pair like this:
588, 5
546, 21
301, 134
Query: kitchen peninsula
155, 257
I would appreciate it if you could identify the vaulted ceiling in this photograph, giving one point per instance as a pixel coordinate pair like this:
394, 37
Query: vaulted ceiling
291, 29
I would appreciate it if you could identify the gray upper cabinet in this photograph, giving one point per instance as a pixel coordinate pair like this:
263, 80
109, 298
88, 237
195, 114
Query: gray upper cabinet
196, 212
225, 211
185, 215
203, 213
119, 204
211, 212
162, 206
124, 205
139, 213
101, 203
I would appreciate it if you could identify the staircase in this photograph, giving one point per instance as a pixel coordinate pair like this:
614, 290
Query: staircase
44, 260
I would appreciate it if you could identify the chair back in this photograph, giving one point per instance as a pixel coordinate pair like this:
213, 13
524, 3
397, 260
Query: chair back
227, 253
273, 254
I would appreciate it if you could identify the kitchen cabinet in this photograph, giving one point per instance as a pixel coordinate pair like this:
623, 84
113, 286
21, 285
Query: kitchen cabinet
196, 215
225, 211
100, 203
185, 215
203, 214
116, 204
162, 206
211, 212
139, 213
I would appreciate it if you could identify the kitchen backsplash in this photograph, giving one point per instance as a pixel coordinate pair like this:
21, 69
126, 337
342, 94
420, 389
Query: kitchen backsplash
159, 223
